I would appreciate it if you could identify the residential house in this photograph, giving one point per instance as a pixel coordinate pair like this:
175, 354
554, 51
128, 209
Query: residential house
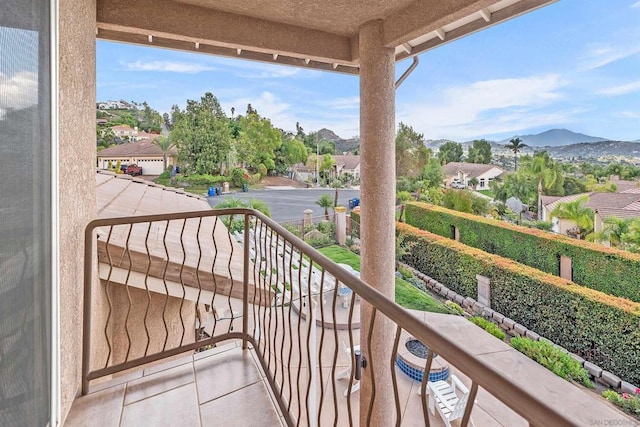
51, 280
347, 164
620, 205
144, 153
125, 132
465, 172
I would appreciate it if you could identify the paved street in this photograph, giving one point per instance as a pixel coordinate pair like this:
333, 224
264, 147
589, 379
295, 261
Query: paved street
289, 204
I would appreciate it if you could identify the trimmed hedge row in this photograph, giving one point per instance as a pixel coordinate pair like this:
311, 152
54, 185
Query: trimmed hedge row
601, 328
605, 269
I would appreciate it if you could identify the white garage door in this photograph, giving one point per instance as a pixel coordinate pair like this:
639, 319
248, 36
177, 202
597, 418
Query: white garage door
150, 167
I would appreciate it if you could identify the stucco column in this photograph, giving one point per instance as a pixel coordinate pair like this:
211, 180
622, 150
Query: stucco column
377, 155
77, 181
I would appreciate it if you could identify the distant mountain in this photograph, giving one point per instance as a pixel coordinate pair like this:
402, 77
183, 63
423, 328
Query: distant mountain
554, 138
595, 150
342, 145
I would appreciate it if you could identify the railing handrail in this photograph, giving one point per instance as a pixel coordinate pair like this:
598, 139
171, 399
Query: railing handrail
517, 397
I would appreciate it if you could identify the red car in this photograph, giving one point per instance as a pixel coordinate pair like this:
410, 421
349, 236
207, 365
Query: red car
133, 170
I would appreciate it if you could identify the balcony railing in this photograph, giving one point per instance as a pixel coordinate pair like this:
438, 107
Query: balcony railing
177, 283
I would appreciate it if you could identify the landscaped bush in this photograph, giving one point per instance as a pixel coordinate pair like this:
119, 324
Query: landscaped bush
417, 283
327, 227
552, 358
609, 270
490, 327
603, 329
454, 307
406, 273
202, 180
628, 402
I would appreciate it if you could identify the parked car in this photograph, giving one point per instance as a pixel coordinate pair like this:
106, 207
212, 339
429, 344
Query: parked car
457, 184
133, 170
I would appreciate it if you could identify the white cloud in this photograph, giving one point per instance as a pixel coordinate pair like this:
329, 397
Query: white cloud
601, 54
167, 66
486, 107
284, 115
621, 90
18, 91
636, 5
629, 114
346, 103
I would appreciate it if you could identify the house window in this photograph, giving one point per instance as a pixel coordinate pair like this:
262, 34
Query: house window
481, 182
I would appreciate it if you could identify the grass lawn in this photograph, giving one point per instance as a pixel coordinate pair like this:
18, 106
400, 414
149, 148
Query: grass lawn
487, 193
406, 294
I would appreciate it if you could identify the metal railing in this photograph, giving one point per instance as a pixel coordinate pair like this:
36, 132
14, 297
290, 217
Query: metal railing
176, 283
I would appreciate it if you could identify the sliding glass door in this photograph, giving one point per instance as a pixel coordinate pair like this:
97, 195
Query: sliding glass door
25, 213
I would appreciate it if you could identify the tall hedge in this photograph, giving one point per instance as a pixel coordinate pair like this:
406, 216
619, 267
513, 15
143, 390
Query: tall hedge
603, 329
609, 270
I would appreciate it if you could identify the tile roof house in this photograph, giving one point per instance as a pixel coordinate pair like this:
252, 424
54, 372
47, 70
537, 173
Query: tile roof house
144, 153
347, 164
464, 172
605, 205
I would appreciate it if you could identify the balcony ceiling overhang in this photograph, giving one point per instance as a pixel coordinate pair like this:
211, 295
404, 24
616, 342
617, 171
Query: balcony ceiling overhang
317, 34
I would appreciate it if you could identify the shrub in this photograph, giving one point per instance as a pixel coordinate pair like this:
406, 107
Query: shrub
318, 241
552, 358
488, 326
326, 227
417, 283
628, 402
203, 180
262, 170
454, 307
608, 270
239, 176
603, 329
406, 273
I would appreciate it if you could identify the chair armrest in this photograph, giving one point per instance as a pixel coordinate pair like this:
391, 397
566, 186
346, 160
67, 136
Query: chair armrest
456, 383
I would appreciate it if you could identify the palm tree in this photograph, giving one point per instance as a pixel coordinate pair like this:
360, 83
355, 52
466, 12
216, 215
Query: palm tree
336, 184
615, 231
165, 145
576, 212
325, 201
515, 145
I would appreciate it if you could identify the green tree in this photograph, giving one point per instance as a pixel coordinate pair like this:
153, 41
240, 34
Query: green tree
293, 151
546, 172
473, 182
515, 185
459, 200
325, 201
201, 135
516, 145
450, 152
411, 153
258, 140
432, 174
165, 145
573, 185
480, 152
326, 165
615, 231
581, 215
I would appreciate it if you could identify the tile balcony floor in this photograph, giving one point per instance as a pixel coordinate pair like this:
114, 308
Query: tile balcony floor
224, 387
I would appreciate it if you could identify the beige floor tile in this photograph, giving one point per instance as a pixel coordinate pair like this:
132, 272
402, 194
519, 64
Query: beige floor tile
226, 412
102, 408
160, 382
177, 407
224, 373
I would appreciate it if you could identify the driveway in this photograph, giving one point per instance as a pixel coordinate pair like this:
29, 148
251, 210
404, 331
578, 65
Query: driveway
289, 204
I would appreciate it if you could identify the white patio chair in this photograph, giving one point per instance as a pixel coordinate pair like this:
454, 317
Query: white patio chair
443, 396
347, 372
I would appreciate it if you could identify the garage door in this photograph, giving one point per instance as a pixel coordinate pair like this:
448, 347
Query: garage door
150, 167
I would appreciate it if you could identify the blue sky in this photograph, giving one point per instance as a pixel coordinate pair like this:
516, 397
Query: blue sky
574, 64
